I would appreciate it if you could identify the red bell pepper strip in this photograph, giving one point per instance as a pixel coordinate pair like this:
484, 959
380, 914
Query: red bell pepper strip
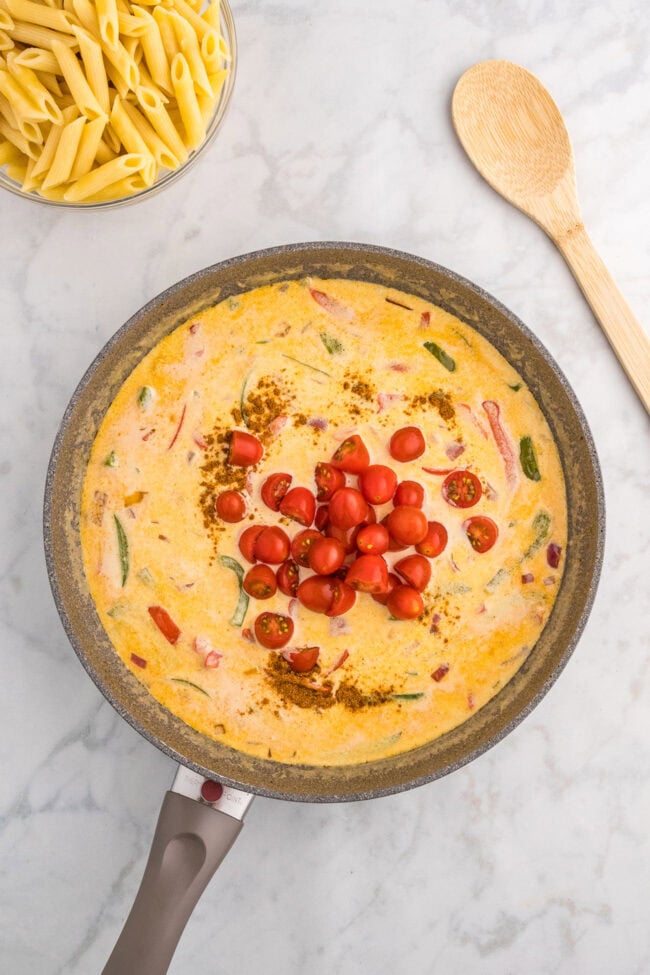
165, 623
502, 441
178, 429
331, 305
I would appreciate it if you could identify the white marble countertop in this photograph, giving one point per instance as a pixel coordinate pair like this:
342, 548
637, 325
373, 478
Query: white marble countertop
536, 857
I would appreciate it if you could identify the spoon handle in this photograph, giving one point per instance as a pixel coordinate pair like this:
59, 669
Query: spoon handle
616, 318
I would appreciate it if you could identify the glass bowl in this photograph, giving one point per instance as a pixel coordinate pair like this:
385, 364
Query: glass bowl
168, 176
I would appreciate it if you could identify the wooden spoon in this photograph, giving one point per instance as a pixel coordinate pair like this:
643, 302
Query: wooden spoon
513, 132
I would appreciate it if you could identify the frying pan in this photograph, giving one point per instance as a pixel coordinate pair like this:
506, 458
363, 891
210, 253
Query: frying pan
194, 834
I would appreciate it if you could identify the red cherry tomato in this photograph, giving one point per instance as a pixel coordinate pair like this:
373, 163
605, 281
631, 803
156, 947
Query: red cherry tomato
272, 545
415, 570
273, 630
274, 489
409, 492
230, 506
346, 536
352, 455
302, 660
316, 593
322, 518
382, 597
407, 444
245, 449
481, 532
371, 517
347, 508
165, 623
373, 540
393, 546
368, 573
405, 603
288, 576
461, 489
328, 480
301, 543
247, 542
260, 583
326, 556
343, 598
434, 541
299, 504
377, 483
407, 525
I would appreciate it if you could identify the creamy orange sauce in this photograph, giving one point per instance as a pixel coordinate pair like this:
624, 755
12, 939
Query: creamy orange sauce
356, 365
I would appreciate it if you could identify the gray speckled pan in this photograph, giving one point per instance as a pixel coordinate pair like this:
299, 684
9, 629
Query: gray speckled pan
432, 283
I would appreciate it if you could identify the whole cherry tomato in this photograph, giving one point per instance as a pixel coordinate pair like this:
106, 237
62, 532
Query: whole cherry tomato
272, 545
347, 508
382, 597
245, 449
407, 525
415, 570
230, 506
299, 504
393, 546
434, 541
481, 532
322, 517
328, 480
461, 489
373, 539
409, 492
405, 603
352, 455
274, 489
377, 483
288, 576
301, 543
368, 573
302, 660
407, 444
326, 555
259, 582
247, 541
346, 536
273, 630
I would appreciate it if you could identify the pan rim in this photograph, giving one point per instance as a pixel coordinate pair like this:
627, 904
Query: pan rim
294, 250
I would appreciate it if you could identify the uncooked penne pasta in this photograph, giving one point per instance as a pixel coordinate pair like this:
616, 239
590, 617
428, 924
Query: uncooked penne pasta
6, 42
29, 182
109, 29
132, 140
187, 104
6, 23
39, 14
192, 18
211, 52
64, 156
36, 36
77, 82
93, 61
167, 33
87, 16
123, 64
9, 154
37, 59
117, 191
7, 111
161, 152
154, 51
104, 153
18, 98
51, 82
98, 179
17, 171
36, 92
131, 26
156, 113
189, 46
17, 139
212, 14
44, 161
88, 145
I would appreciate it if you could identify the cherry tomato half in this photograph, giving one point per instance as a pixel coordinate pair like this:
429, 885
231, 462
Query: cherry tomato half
322, 517
288, 576
405, 603
274, 489
415, 570
326, 555
328, 480
434, 541
245, 449
407, 525
346, 536
273, 630
301, 543
382, 597
482, 532
247, 542
230, 506
299, 504
373, 540
347, 508
409, 492
368, 573
302, 660
461, 489
343, 598
260, 583
377, 483
352, 455
272, 545
326, 594
407, 444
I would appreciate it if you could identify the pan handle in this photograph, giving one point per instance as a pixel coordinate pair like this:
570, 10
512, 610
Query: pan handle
190, 841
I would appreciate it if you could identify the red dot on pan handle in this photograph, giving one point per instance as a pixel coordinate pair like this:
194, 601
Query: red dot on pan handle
211, 791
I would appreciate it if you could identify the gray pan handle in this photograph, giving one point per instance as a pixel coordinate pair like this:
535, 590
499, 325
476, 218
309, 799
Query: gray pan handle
190, 841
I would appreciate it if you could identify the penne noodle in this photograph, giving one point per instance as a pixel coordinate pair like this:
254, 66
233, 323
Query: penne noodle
18, 98
50, 81
37, 59
212, 14
116, 191
211, 52
98, 179
17, 139
123, 64
132, 140
6, 42
109, 29
190, 17
37, 13
112, 140
36, 92
7, 111
167, 33
147, 82
88, 146
161, 152
76, 81
158, 117
9, 154
64, 155
217, 81
17, 171
104, 153
5, 20
44, 161
189, 46
54, 193
117, 81
93, 61
154, 52
87, 16
36, 36
29, 182
187, 104
131, 26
